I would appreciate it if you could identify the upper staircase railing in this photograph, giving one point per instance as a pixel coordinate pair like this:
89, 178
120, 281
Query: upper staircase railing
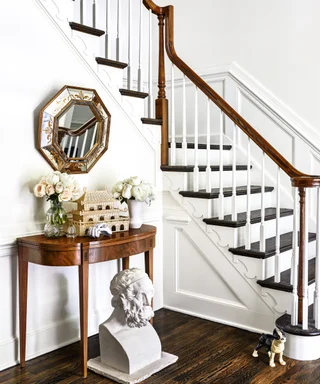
206, 103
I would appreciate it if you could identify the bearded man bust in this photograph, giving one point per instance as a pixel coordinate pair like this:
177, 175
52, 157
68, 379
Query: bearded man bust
128, 342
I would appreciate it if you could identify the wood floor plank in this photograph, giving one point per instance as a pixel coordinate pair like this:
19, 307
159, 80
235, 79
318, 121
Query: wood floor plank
209, 353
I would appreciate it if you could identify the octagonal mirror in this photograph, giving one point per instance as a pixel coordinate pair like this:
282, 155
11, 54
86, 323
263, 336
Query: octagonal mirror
74, 130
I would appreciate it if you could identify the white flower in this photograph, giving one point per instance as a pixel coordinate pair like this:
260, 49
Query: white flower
53, 178
135, 180
116, 195
50, 190
39, 190
117, 187
138, 192
75, 190
59, 187
126, 191
67, 180
66, 195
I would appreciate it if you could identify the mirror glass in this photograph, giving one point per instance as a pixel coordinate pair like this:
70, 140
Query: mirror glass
74, 130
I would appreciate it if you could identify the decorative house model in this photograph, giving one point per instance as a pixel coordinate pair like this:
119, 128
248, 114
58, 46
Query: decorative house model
96, 207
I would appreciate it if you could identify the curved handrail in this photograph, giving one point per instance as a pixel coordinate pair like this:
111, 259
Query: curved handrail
298, 178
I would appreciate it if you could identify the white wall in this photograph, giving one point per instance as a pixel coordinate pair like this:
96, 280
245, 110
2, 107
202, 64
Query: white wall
274, 41
35, 63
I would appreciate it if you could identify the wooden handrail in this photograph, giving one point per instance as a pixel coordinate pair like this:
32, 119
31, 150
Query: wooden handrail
298, 178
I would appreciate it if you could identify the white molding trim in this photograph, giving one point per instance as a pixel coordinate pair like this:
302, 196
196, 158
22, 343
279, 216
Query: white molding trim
8, 250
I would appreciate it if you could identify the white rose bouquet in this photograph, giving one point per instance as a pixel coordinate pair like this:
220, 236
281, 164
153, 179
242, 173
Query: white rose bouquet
133, 188
57, 186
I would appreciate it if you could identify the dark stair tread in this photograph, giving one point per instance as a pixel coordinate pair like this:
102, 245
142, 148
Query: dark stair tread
284, 284
227, 192
255, 217
148, 120
86, 29
203, 146
284, 322
285, 245
131, 93
111, 63
202, 168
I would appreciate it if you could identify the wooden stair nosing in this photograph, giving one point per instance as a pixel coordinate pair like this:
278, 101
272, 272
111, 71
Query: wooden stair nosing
151, 121
111, 63
132, 93
255, 217
285, 245
227, 192
284, 284
284, 322
86, 29
226, 147
202, 168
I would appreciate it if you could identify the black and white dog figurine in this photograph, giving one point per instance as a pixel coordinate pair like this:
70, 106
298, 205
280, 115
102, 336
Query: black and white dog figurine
274, 344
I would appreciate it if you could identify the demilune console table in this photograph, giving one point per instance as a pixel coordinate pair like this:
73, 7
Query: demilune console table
81, 251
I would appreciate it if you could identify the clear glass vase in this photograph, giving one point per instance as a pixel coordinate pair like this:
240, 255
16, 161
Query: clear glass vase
56, 218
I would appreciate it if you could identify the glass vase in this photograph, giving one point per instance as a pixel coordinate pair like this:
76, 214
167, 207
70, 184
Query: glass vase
56, 217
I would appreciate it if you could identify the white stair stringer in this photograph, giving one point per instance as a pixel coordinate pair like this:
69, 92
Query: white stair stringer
108, 78
210, 297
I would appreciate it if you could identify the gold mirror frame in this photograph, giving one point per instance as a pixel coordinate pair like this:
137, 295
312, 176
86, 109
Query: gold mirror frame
50, 135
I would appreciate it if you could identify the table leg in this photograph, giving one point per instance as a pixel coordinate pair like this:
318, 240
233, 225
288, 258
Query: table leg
125, 263
148, 262
83, 300
23, 295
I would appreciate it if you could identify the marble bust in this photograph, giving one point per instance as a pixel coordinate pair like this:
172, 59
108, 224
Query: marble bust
128, 342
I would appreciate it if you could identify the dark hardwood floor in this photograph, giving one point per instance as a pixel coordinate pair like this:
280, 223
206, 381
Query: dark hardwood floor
208, 353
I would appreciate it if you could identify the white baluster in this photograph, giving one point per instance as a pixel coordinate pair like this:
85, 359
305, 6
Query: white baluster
305, 279
93, 13
74, 153
81, 11
129, 82
140, 51
150, 98
295, 259
84, 143
208, 169
262, 225
118, 32
64, 142
107, 45
196, 141
234, 173
248, 219
184, 122
277, 256
93, 139
316, 306
221, 195
70, 145
173, 121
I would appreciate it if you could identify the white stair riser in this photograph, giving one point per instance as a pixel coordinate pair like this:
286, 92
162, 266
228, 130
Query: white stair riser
202, 157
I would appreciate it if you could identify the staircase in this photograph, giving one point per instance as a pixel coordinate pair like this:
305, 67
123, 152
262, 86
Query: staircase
247, 214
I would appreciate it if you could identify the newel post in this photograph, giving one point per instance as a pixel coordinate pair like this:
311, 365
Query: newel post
161, 101
302, 245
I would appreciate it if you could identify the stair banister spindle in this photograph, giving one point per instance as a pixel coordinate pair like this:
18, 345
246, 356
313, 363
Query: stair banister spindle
302, 247
184, 122
277, 256
118, 31
140, 50
316, 306
81, 11
162, 102
221, 195
262, 225
234, 173
295, 260
150, 98
129, 80
208, 168
106, 41
248, 219
305, 303
69, 146
173, 121
84, 143
93, 13
196, 143
74, 153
